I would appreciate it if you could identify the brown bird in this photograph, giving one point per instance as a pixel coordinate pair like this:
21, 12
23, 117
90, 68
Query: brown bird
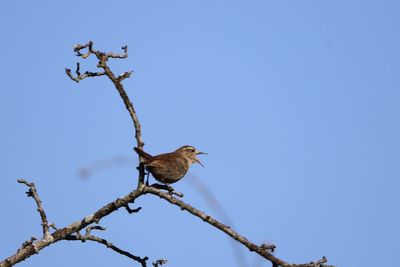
170, 167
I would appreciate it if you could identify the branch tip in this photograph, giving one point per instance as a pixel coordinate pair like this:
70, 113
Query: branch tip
78, 237
160, 262
130, 211
270, 247
34, 194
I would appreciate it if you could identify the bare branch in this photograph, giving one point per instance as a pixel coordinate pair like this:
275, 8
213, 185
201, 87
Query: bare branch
159, 262
261, 250
102, 57
108, 244
124, 75
95, 227
213, 203
130, 211
124, 55
33, 193
270, 247
79, 47
117, 81
61, 234
80, 76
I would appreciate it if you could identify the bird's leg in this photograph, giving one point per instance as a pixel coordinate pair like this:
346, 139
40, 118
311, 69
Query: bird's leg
143, 168
147, 180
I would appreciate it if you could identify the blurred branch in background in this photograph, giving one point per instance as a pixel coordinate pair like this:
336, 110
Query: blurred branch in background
104, 164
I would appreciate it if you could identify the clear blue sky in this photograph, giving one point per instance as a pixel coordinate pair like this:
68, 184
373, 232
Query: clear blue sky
296, 102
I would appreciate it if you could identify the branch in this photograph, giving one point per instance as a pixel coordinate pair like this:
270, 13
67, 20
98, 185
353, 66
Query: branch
103, 241
130, 211
30, 248
80, 76
124, 55
160, 262
103, 58
117, 81
34, 194
124, 75
213, 203
262, 250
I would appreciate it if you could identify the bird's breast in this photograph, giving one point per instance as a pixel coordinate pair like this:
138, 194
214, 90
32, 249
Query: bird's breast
170, 169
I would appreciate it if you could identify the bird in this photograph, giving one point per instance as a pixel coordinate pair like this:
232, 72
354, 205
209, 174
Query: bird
169, 168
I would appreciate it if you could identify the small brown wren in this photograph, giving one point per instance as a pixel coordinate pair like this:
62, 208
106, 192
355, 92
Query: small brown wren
170, 167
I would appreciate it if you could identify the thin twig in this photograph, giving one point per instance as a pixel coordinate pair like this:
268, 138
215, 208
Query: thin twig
32, 192
79, 77
159, 262
130, 211
94, 227
103, 241
108, 244
124, 75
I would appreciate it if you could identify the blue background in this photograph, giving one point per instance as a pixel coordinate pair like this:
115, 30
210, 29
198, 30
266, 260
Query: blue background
296, 102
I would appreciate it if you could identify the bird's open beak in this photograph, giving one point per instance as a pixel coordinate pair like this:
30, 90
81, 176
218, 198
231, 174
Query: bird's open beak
197, 160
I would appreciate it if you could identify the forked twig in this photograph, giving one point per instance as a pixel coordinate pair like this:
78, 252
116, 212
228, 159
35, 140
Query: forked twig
117, 81
32, 192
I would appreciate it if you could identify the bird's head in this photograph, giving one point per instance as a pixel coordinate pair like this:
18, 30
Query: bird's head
191, 152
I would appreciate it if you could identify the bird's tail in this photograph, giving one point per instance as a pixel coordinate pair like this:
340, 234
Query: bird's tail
145, 155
